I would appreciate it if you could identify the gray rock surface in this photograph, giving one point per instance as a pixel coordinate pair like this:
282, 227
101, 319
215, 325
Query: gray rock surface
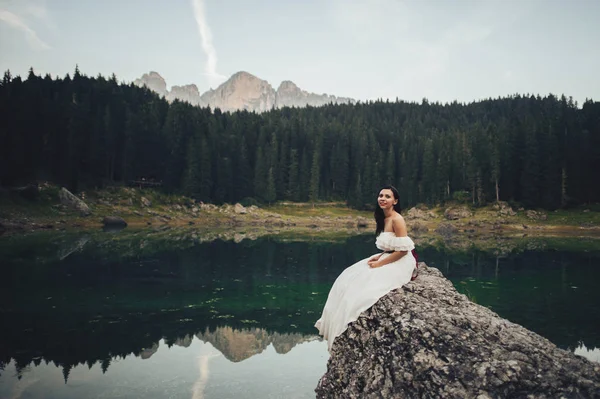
73, 202
426, 340
145, 202
457, 213
240, 209
446, 230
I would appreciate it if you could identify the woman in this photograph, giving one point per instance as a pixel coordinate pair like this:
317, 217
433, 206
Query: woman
362, 284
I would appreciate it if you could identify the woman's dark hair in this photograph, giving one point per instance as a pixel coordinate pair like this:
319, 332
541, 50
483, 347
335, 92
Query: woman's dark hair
379, 216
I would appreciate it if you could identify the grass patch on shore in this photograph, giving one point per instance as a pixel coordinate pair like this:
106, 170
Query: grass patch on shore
307, 209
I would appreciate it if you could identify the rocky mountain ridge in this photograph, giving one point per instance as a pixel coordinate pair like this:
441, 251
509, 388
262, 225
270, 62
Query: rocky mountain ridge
242, 91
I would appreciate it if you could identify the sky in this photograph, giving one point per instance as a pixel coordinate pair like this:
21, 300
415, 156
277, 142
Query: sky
441, 50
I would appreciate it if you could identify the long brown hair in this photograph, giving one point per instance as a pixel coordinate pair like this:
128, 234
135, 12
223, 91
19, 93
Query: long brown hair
379, 215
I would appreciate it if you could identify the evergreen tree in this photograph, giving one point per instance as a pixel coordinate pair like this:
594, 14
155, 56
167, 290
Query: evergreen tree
192, 182
270, 194
293, 191
315, 172
206, 180
260, 175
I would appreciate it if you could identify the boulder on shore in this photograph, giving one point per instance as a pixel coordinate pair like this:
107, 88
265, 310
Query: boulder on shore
70, 200
425, 340
114, 221
145, 202
455, 213
240, 209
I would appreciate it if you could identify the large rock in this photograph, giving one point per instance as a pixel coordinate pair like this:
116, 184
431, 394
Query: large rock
73, 202
535, 215
504, 209
457, 213
416, 213
145, 202
114, 221
240, 209
446, 230
426, 340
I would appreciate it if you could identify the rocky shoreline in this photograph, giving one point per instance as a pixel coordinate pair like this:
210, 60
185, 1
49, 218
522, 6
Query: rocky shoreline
141, 208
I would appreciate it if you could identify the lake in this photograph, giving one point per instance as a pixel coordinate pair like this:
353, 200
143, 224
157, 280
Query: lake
167, 314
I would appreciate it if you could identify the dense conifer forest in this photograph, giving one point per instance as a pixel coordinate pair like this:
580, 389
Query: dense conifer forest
89, 132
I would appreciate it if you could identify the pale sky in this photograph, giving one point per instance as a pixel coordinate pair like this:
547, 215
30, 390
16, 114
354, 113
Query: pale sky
443, 50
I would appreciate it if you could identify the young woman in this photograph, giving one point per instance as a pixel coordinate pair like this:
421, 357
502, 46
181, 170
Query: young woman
362, 284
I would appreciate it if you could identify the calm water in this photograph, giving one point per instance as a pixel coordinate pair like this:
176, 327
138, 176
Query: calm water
164, 315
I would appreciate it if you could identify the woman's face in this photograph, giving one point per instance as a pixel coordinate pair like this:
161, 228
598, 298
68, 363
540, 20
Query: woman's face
386, 199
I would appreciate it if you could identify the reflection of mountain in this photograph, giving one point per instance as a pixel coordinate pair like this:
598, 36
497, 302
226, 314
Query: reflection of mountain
283, 343
146, 353
184, 342
238, 345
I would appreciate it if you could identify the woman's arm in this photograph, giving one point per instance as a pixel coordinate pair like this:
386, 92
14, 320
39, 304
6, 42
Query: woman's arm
394, 256
375, 257
399, 227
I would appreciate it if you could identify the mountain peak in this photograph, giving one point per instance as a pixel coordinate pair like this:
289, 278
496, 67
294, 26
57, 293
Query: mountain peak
242, 91
243, 74
288, 85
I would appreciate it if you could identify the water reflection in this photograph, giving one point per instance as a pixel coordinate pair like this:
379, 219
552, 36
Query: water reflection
174, 316
591, 354
553, 293
191, 368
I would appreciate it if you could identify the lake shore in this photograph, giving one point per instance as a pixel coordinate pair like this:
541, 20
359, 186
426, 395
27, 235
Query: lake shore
144, 208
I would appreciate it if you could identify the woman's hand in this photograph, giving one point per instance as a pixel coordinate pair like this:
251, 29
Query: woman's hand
374, 258
373, 263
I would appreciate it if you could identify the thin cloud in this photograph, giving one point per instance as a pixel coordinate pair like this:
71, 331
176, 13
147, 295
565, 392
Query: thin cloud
210, 69
17, 23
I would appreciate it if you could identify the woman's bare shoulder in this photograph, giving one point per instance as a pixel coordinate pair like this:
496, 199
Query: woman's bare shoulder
399, 225
398, 218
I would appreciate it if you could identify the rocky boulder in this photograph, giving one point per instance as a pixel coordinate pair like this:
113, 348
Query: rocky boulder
536, 215
504, 209
145, 202
446, 230
457, 213
417, 228
73, 202
114, 221
240, 209
414, 213
426, 340
362, 222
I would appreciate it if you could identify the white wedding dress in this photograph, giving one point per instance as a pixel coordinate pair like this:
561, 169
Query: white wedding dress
360, 286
